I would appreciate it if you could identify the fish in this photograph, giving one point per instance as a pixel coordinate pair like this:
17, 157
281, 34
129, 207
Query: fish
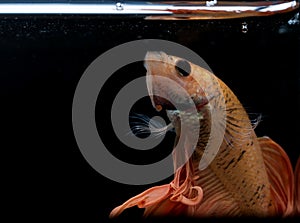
246, 176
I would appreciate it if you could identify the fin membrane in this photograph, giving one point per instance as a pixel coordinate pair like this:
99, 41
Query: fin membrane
281, 177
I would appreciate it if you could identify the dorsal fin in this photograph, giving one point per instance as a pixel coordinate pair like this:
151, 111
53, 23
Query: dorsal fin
281, 177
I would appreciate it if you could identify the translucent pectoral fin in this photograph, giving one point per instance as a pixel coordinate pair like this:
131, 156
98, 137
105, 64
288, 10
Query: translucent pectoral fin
281, 177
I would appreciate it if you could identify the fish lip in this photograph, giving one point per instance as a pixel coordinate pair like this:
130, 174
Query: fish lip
198, 107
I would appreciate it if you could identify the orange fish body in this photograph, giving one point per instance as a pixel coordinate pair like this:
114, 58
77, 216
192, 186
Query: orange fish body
248, 176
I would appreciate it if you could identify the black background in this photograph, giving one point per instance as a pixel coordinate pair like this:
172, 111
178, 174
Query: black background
42, 59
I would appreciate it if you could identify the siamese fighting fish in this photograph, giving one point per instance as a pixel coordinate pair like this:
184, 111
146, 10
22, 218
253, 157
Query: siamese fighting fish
244, 175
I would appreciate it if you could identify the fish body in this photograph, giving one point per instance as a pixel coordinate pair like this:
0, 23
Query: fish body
248, 176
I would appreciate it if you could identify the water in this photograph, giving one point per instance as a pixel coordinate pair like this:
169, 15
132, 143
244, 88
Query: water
43, 57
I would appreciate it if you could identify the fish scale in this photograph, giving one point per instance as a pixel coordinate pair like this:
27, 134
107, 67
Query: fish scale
242, 170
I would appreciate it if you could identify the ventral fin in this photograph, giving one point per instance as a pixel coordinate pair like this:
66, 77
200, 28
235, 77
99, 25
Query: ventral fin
149, 197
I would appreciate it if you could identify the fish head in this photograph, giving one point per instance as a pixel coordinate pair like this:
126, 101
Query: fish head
175, 82
192, 98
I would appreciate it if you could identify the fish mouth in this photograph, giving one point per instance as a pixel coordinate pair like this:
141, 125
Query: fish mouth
161, 103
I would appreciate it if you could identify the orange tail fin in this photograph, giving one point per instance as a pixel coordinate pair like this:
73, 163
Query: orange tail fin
281, 176
297, 188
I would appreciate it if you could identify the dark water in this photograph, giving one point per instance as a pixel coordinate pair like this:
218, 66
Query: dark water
42, 59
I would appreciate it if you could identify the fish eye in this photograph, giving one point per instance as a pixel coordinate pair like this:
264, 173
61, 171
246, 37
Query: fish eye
183, 68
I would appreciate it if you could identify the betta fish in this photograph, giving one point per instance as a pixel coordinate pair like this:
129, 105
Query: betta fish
247, 176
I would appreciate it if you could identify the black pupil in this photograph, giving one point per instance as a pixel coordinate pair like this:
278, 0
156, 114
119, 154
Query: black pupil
183, 67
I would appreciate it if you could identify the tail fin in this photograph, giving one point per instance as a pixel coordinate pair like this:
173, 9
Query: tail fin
280, 173
297, 188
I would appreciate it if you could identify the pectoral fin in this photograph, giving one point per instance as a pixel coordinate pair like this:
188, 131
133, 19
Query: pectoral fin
281, 177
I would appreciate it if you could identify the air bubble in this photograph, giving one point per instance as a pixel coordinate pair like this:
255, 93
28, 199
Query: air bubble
211, 3
244, 27
294, 20
119, 6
